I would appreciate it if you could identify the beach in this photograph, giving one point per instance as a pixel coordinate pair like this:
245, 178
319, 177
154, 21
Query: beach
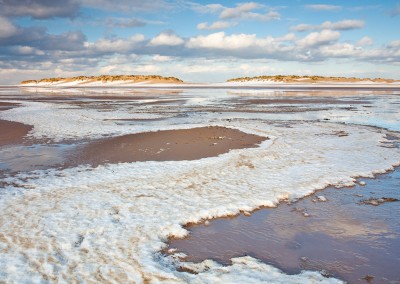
97, 181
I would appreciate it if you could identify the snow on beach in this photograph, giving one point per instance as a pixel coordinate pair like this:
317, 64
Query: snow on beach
109, 223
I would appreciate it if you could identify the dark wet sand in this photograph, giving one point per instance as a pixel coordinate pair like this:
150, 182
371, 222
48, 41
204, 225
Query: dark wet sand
6, 106
344, 236
167, 145
13, 132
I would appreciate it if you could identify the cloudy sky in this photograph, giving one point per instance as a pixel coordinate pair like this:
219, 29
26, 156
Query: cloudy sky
198, 40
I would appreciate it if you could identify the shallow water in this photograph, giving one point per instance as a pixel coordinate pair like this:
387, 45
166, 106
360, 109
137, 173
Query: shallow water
343, 236
20, 158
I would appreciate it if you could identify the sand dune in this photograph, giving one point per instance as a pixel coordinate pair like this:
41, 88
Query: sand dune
103, 80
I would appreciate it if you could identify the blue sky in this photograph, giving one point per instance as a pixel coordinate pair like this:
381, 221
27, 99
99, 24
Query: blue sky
197, 41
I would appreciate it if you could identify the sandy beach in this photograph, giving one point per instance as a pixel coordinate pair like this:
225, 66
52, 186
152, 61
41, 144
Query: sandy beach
199, 142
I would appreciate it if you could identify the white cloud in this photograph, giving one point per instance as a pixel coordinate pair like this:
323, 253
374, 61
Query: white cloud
210, 8
7, 29
394, 44
343, 25
365, 41
287, 37
147, 69
319, 38
219, 25
239, 10
222, 41
127, 5
118, 45
339, 50
323, 7
168, 39
302, 28
161, 58
340, 25
242, 46
125, 23
245, 11
127, 68
28, 50
39, 9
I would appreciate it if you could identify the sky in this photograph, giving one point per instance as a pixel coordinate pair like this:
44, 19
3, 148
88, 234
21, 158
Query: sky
198, 41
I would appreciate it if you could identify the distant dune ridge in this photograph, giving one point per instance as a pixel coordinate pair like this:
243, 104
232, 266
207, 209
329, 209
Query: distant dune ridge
103, 80
310, 79
157, 80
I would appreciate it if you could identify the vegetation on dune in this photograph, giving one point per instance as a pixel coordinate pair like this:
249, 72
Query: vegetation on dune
296, 78
106, 78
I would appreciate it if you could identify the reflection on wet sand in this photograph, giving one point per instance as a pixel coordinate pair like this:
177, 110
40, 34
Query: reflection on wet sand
331, 231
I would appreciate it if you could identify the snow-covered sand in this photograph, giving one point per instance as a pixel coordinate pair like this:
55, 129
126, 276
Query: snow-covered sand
109, 223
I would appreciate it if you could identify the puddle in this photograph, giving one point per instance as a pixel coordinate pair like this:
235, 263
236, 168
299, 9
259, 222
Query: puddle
331, 231
21, 158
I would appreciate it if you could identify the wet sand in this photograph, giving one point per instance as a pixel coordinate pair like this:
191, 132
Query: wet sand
6, 106
360, 241
13, 132
167, 145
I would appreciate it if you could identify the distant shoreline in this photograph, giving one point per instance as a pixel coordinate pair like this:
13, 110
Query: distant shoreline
261, 82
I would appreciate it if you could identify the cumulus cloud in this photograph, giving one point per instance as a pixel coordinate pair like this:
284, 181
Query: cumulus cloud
323, 7
161, 58
66, 41
39, 38
365, 41
166, 38
39, 9
222, 41
219, 25
7, 29
210, 8
319, 38
339, 50
394, 44
245, 11
127, 5
328, 25
125, 23
117, 45
241, 46
27, 50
